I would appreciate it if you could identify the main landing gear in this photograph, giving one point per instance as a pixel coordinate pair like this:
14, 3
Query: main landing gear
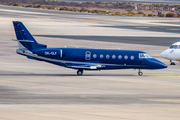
80, 72
140, 73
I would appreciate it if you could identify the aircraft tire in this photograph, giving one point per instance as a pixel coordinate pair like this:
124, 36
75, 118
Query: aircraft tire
79, 72
172, 63
140, 73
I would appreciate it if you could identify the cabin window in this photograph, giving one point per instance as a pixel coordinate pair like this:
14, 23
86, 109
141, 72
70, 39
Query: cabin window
113, 56
119, 56
132, 57
107, 56
101, 56
94, 56
126, 57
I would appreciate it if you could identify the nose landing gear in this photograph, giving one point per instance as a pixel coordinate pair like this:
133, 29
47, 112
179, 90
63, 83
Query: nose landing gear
140, 73
172, 62
80, 72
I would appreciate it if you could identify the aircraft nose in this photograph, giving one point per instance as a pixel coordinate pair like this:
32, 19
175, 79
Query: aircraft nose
163, 54
156, 64
160, 64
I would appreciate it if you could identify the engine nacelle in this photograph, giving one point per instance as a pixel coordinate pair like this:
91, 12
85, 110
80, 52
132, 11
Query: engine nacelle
50, 53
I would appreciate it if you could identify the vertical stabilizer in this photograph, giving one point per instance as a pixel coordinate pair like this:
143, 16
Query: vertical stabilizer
24, 38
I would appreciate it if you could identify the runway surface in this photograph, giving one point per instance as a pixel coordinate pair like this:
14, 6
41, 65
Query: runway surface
122, 29
161, 41
37, 90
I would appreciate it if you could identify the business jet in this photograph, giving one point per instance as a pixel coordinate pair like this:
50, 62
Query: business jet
172, 53
82, 59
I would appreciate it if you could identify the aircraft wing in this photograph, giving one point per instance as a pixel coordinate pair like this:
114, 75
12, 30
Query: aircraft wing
90, 67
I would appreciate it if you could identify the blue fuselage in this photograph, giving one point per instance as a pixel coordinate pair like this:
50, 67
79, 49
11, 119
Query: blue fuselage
107, 58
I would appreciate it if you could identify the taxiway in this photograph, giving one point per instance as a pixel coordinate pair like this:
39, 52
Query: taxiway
37, 90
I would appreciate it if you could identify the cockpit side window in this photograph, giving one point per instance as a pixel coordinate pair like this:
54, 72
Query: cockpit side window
144, 55
141, 55
175, 47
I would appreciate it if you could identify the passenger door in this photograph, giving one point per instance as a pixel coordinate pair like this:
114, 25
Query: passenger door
88, 55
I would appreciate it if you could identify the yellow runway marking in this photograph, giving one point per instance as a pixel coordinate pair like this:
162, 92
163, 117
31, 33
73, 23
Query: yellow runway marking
163, 75
142, 27
172, 29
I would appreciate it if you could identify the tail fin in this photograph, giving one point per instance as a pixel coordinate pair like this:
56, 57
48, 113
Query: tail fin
24, 38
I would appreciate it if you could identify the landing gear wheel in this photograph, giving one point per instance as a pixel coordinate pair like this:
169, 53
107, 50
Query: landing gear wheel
140, 73
172, 63
79, 72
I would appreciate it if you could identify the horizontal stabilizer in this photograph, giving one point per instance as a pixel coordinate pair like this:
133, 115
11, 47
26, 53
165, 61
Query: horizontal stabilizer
23, 40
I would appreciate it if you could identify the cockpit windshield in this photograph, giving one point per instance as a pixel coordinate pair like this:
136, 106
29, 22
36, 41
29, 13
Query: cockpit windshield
144, 55
174, 47
148, 56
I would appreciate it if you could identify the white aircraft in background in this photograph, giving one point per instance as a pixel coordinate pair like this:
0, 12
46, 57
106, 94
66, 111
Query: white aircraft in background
172, 53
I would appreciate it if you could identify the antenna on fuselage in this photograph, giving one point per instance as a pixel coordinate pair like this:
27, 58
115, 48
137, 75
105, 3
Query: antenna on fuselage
118, 48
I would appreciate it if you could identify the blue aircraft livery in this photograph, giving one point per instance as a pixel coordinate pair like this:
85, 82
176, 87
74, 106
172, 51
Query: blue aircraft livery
83, 58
